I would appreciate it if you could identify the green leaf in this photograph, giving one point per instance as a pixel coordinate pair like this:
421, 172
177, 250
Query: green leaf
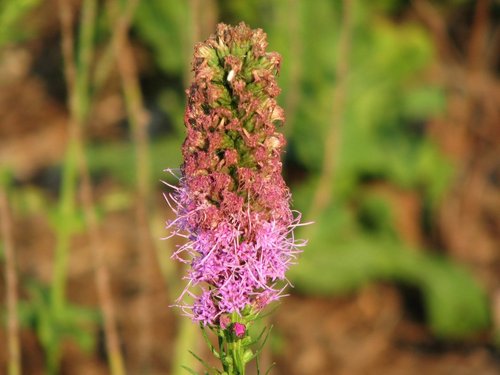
11, 15
191, 371
162, 24
207, 340
205, 364
456, 306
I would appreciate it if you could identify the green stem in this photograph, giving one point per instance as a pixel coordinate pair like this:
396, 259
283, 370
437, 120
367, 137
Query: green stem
77, 74
77, 81
238, 358
86, 49
333, 139
78, 106
231, 350
185, 339
66, 208
13, 341
64, 228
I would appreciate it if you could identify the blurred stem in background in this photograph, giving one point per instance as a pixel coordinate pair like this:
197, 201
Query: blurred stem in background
292, 95
77, 79
137, 117
188, 338
48, 312
195, 34
13, 342
398, 100
66, 218
331, 148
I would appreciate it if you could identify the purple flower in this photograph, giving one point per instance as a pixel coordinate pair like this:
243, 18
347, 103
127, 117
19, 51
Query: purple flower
232, 204
204, 309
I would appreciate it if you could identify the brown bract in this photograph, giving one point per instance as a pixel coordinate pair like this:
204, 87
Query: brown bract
231, 120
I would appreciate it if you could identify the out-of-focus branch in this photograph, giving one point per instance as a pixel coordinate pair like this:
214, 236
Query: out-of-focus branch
77, 78
193, 38
120, 26
138, 120
295, 63
67, 198
85, 55
102, 278
13, 342
438, 28
478, 39
322, 196
67, 43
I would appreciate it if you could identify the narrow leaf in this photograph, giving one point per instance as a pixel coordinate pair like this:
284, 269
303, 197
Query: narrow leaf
191, 371
207, 340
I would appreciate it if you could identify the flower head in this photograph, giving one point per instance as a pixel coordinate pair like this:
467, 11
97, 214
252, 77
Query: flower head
232, 202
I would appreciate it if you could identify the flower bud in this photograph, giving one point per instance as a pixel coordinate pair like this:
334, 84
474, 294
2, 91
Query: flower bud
239, 330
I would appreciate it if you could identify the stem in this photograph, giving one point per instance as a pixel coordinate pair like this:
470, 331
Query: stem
186, 338
102, 274
105, 64
138, 119
13, 342
231, 348
478, 40
66, 206
66, 209
194, 36
436, 23
78, 90
292, 98
331, 147
85, 59
64, 228
235, 352
183, 342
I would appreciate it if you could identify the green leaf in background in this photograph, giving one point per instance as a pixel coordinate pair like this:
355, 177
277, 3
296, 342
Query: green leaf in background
54, 326
456, 304
11, 15
382, 139
117, 159
339, 259
162, 25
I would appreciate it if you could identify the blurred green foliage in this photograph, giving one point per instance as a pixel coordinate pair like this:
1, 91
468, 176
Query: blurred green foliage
11, 14
162, 25
117, 158
383, 140
53, 326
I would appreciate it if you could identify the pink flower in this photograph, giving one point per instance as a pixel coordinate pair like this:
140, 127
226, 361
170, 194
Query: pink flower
232, 203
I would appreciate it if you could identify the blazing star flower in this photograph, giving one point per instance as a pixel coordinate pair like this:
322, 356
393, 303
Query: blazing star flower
232, 204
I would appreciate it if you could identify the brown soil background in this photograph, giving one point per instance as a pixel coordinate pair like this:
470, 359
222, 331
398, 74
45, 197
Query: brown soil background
373, 331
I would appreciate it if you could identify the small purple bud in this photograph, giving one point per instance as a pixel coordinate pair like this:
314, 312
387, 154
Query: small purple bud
239, 330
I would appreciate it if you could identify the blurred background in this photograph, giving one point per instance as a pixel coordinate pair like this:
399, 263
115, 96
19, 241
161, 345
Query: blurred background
393, 128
